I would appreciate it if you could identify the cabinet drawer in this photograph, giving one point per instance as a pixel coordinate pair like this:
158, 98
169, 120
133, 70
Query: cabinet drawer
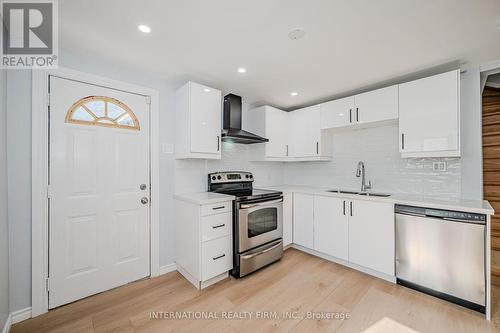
216, 257
217, 208
216, 226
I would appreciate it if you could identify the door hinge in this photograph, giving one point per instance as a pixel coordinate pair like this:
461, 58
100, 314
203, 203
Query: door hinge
47, 284
49, 191
148, 99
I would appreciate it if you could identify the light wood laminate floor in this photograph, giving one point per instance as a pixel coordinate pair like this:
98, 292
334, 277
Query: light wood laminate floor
299, 283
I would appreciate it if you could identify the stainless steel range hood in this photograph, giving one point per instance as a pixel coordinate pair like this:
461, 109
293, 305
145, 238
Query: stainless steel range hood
232, 131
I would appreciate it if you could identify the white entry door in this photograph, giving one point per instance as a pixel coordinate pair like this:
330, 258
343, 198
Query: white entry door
99, 189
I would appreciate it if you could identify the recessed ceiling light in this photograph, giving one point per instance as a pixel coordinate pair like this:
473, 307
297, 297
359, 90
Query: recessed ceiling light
206, 90
242, 70
294, 93
144, 28
296, 33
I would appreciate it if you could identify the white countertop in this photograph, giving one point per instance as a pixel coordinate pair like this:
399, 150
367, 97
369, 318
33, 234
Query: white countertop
204, 198
470, 206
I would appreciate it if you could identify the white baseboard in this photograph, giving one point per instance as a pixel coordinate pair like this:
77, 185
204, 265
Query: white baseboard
21, 315
168, 268
369, 271
8, 324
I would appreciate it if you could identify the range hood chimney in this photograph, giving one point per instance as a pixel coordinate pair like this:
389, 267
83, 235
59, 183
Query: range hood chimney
232, 131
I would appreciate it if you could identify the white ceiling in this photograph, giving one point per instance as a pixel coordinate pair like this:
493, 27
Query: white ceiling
349, 45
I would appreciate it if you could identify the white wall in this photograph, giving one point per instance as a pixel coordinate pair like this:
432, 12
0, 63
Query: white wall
4, 240
19, 186
378, 148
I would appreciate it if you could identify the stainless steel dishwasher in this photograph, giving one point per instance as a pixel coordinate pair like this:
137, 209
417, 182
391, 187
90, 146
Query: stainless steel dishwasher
442, 253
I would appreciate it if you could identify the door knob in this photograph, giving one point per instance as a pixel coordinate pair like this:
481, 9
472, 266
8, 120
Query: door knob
144, 200
143, 187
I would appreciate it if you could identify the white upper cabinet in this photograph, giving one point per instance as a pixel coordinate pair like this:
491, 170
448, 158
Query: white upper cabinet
376, 106
369, 108
337, 113
429, 116
293, 136
305, 132
331, 226
198, 122
270, 123
371, 235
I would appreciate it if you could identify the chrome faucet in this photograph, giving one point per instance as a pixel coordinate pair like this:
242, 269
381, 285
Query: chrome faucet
360, 172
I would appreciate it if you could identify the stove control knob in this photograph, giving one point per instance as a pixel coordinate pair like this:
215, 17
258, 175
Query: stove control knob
246, 176
218, 177
251, 176
213, 177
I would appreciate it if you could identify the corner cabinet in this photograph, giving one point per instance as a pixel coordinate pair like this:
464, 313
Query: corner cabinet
198, 122
429, 116
270, 123
293, 136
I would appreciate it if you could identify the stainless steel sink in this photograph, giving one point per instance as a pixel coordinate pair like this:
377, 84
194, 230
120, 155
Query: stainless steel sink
382, 195
369, 194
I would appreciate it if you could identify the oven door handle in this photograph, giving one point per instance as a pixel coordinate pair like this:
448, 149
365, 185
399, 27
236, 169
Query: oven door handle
250, 256
265, 203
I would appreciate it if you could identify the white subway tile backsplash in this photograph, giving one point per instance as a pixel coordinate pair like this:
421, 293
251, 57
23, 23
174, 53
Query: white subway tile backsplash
191, 175
377, 147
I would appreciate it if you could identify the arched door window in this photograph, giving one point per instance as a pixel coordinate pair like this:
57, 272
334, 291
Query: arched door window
102, 111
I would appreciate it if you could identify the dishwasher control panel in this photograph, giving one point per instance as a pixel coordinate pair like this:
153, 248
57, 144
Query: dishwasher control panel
440, 213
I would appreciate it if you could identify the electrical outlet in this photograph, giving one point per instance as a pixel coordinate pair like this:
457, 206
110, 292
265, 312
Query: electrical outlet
439, 166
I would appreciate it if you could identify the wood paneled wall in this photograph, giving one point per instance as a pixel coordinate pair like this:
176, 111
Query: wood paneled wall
491, 169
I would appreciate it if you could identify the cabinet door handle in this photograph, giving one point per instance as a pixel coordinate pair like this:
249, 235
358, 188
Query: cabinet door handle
357, 114
350, 116
317, 148
221, 256
402, 141
216, 208
344, 207
218, 143
286, 150
218, 226
350, 207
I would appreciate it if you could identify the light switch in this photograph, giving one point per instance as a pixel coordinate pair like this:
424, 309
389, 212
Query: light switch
167, 148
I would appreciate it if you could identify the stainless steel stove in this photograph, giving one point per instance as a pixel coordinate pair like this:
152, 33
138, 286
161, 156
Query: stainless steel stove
257, 220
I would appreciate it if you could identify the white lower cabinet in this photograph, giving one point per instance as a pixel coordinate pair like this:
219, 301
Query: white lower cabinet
216, 257
331, 226
360, 232
287, 219
371, 235
303, 214
204, 246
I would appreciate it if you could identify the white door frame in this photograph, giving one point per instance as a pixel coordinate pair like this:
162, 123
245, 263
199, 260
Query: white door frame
40, 169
